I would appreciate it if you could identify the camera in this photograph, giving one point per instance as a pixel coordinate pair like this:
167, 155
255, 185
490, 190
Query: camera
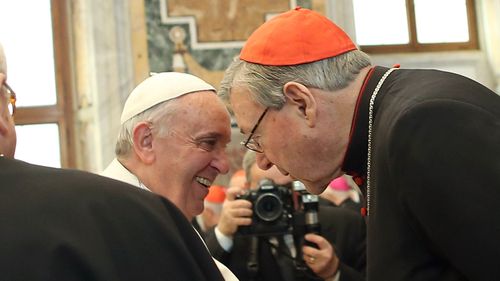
273, 209
279, 210
306, 214
308, 205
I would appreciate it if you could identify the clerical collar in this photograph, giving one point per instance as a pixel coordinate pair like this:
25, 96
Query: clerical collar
356, 153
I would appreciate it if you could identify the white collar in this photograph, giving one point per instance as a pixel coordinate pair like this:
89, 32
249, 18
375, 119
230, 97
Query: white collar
117, 171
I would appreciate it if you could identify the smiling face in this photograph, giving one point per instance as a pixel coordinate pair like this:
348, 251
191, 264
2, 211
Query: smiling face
307, 138
191, 154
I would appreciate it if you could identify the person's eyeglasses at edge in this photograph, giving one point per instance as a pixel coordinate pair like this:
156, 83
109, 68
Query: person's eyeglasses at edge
11, 95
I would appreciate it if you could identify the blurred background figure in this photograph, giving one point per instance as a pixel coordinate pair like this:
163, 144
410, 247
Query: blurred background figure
238, 179
341, 192
213, 207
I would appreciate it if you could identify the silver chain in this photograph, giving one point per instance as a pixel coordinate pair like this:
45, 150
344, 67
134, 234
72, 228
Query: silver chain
370, 127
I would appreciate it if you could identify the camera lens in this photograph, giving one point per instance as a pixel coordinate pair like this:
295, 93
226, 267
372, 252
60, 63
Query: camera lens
268, 207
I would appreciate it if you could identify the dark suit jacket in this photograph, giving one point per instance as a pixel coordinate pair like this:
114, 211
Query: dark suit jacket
435, 176
71, 225
347, 203
343, 228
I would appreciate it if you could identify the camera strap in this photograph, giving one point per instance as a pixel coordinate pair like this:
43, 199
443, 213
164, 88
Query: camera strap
253, 257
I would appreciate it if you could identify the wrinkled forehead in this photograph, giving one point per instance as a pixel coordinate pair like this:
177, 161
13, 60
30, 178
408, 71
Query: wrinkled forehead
244, 107
203, 101
203, 110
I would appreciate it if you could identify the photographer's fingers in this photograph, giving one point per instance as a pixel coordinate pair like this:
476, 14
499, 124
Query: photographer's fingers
323, 261
227, 225
235, 213
319, 240
311, 254
241, 208
243, 221
233, 191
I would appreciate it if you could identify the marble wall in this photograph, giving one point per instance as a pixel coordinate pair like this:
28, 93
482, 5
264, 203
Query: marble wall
202, 37
104, 76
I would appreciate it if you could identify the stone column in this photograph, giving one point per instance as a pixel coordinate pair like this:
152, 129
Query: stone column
104, 68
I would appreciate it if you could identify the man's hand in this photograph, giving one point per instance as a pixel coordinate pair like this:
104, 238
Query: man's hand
235, 212
323, 261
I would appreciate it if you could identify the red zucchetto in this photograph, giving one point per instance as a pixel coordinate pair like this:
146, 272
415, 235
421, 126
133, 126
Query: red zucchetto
296, 37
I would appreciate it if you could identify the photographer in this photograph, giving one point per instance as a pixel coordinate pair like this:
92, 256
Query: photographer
340, 253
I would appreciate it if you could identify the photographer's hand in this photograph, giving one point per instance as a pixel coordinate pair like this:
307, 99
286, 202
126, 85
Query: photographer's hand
235, 212
322, 261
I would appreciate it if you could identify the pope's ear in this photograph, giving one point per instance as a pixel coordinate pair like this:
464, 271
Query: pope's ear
301, 97
143, 142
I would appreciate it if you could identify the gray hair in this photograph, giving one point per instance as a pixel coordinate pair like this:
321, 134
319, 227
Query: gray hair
248, 160
158, 115
265, 83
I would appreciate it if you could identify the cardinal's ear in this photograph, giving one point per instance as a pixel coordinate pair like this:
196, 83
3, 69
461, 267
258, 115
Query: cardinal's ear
303, 99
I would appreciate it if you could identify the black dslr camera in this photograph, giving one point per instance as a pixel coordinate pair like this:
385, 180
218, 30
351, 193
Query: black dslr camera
273, 209
280, 210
